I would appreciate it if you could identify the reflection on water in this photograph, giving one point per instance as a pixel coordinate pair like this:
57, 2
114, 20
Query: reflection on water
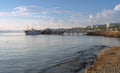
26, 54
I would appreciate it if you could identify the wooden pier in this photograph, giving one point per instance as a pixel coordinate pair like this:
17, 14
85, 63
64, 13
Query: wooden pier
72, 32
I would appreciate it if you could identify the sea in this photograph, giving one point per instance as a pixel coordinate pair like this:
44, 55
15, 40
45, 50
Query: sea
20, 53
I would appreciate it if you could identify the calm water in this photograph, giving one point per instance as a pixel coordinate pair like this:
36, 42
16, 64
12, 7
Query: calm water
28, 54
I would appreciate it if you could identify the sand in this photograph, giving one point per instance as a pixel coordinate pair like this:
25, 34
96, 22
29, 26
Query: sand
107, 62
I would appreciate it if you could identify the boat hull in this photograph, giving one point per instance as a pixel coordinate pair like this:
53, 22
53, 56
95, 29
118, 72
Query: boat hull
31, 32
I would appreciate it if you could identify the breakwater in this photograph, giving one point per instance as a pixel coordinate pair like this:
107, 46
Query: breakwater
106, 33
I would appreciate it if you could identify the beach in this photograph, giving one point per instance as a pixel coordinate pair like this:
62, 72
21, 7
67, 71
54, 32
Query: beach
107, 62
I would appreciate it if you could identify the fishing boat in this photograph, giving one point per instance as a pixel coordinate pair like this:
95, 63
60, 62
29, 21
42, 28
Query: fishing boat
32, 32
43, 32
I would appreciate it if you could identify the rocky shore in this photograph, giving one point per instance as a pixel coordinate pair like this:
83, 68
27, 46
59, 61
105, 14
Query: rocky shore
106, 34
107, 62
79, 63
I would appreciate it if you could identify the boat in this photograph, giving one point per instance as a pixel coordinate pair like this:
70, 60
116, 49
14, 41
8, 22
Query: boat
43, 32
32, 32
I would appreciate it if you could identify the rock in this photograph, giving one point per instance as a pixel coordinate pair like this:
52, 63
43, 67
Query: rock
83, 65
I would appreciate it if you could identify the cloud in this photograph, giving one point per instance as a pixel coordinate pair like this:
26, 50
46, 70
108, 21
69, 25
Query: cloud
4, 13
33, 10
28, 10
117, 7
111, 16
47, 18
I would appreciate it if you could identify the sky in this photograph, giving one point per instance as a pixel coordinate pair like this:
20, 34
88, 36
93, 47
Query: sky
40, 14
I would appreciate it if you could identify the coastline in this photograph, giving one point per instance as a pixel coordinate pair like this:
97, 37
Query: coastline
98, 59
77, 64
106, 34
107, 62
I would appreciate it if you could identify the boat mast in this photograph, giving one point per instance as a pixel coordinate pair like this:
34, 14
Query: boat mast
27, 27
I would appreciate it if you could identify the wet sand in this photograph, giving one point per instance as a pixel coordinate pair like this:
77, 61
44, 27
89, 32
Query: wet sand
78, 64
107, 62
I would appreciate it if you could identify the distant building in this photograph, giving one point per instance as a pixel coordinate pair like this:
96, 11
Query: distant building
107, 26
99, 26
113, 26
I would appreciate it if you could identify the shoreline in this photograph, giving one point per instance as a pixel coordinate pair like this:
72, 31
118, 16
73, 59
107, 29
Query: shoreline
107, 62
115, 34
79, 63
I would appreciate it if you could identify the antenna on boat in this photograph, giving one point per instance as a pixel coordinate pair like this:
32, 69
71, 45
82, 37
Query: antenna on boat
27, 27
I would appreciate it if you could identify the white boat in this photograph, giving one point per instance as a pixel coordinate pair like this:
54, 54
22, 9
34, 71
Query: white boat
32, 32
45, 32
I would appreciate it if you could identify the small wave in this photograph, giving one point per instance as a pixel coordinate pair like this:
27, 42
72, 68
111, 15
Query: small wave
82, 60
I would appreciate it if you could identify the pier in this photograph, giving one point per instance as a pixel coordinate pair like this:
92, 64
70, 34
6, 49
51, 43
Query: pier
72, 32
